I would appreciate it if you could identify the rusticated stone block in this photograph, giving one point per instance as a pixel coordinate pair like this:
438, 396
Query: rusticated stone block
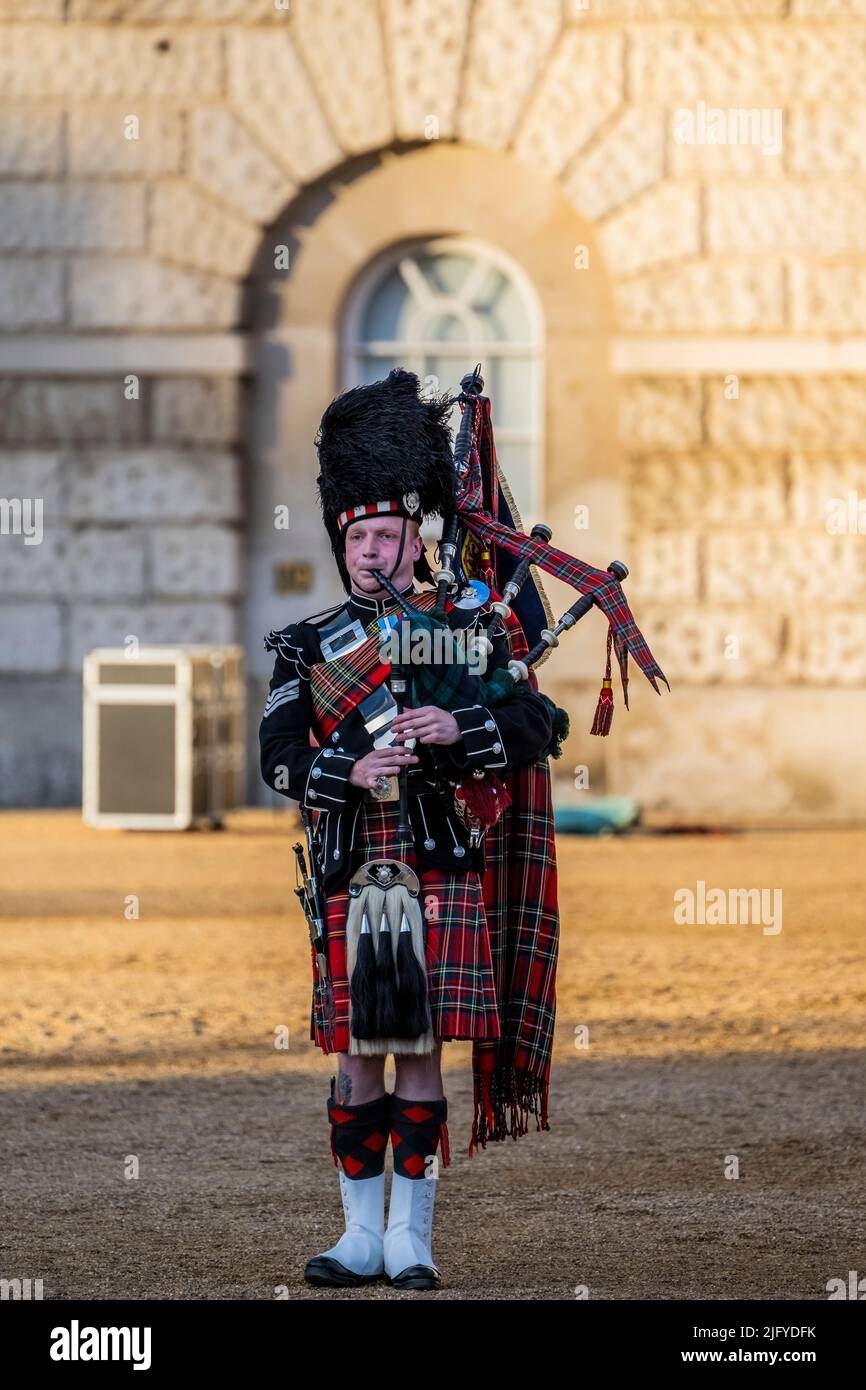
110, 64
660, 413
779, 566
189, 228
665, 566
31, 293
427, 39
100, 143
196, 562
697, 490
760, 154
341, 44
744, 754
510, 49
828, 9
628, 158
196, 410
828, 139
31, 9
788, 412
707, 296
33, 473
34, 565
661, 225
31, 638
688, 9
746, 65
135, 293
271, 86
581, 86
708, 646
172, 11
30, 141
829, 648
109, 624
53, 217
228, 161
102, 560
821, 488
828, 298
153, 484
39, 411
828, 218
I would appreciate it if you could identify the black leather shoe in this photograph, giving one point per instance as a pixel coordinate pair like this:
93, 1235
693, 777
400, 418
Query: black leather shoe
416, 1277
323, 1270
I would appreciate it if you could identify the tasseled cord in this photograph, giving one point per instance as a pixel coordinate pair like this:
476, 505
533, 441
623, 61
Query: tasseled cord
444, 1145
485, 798
604, 709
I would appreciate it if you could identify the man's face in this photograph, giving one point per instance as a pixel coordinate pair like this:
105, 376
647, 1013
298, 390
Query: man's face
372, 544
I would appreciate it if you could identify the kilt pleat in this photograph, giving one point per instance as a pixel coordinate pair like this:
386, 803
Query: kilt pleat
461, 978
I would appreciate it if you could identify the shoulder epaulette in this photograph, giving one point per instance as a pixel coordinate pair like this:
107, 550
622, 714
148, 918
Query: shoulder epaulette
284, 641
288, 641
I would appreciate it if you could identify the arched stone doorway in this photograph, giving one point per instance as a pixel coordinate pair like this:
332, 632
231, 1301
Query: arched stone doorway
337, 232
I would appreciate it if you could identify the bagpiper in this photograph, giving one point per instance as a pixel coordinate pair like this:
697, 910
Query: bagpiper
407, 723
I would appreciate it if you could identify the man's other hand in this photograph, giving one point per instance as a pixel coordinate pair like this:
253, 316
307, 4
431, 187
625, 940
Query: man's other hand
381, 762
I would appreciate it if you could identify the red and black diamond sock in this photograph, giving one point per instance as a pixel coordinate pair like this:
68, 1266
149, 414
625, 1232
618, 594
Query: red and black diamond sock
417, 1127
359, 1135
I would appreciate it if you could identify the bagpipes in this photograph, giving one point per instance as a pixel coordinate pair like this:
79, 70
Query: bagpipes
483, 509
482, 549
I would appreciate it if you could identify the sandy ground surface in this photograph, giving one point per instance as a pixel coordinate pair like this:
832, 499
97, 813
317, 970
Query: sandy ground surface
147, 981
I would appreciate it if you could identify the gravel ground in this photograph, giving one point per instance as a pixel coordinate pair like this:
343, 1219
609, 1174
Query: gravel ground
148, 981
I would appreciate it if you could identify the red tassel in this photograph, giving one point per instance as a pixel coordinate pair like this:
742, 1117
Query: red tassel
485, 798
333, 1150
603, 710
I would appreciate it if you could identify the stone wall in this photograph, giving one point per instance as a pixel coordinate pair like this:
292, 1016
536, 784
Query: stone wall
736, 281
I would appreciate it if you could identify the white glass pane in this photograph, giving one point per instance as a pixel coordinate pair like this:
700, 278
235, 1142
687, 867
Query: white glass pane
386, 309
444, 271
445, 328
502, 308
374, 369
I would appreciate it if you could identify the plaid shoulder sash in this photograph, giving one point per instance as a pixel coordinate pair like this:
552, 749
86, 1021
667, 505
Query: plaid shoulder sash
338, 686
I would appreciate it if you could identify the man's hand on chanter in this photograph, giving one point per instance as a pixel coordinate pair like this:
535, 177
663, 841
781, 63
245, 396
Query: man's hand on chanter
427, 723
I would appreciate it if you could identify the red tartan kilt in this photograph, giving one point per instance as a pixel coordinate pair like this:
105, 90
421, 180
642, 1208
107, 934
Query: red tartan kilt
460, 973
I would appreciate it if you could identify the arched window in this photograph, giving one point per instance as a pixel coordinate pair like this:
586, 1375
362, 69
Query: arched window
438, 306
